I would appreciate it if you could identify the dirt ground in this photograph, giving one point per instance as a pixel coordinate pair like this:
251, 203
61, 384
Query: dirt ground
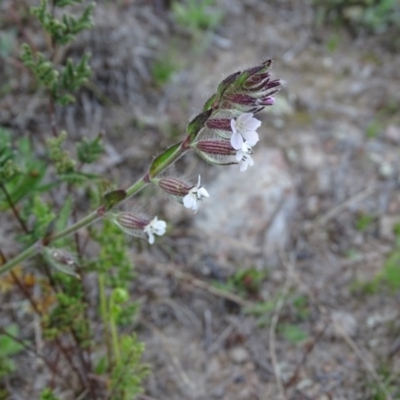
307, 331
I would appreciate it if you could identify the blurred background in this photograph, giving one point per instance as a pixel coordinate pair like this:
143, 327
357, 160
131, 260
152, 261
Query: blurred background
286, 283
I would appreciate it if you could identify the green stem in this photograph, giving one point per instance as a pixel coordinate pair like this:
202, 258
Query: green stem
174, 153
114, 333
104, 313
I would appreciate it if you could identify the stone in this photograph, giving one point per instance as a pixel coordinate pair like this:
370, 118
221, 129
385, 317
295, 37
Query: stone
239, 355
250, 211
343, 322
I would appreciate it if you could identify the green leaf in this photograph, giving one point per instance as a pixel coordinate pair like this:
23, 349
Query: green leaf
24, 184
197, 123
9, 346
224, 85
165, 159
78, 177
210, 102
259, 69
113, 198
47, 394
90, 151
260, 309
62, 221
292, 333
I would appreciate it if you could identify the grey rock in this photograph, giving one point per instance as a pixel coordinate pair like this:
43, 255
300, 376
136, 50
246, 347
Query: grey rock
250, 211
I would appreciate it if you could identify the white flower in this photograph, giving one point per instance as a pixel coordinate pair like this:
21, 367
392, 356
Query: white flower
244, 156
244, 127
195, 194
155, 227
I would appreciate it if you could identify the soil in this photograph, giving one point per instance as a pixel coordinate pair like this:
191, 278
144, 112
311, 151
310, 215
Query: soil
336, 124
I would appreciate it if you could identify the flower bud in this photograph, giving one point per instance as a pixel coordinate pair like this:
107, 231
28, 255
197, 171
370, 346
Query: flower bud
222, 124
174, 186
61, 260
215, 146
189, 196
140, 227
241, 99
215, 151
128, 221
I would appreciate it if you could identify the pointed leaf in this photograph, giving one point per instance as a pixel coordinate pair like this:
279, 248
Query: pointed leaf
165, 159
197, 123
113, 198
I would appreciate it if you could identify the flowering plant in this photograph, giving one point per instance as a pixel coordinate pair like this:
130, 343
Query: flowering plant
224, 133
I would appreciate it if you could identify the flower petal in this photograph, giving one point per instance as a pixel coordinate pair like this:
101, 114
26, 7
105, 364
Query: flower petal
189, 201
233, 125
202, 192
253, 124
236, 141
244, 118
251, 136
151, 237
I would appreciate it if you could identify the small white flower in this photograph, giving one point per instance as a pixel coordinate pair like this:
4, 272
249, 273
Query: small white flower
195, 194
155, 227
244, 127
244, 156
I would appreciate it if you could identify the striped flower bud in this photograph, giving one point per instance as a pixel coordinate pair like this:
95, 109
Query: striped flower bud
174, 186
215, 151
215, 146
139, 226
188, 195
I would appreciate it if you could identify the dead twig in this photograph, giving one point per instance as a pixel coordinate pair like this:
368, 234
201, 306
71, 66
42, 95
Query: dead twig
190, 279
340, 207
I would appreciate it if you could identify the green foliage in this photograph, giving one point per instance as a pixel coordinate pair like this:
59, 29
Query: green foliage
127, 376
43, 214
47, 394
389, 276
197, 15
60, 82
262, 310
31, 184
162, 70
116, 272
61, 158
301, 307
8, 168
292, 333
8, 348
65, 30
26, 176
372, 15
115, 262
374, 128
245, 282
89, 151
364, 221
389, 382
69, 312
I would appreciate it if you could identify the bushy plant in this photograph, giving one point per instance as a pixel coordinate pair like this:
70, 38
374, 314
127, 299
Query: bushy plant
82, 348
